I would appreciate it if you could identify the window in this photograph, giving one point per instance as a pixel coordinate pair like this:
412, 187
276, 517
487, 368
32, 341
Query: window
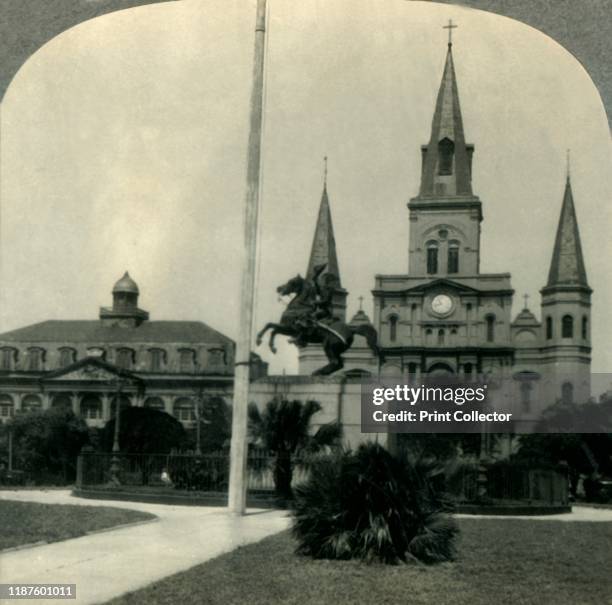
7, 406
91, 407
36, 358
412, 370
155, 403
186, 360
31, 403
124, 358
67, 357
157, 359
567, 392
585, 327
432, 257
467, 369
440, 337
8, 358
490, 328
446, 150
549, 328
526, 388
393, 328
428, 334
125, 403
453, 257
184, 409
567, 326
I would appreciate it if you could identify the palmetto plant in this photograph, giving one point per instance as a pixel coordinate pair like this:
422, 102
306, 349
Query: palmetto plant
284, 429
371, 505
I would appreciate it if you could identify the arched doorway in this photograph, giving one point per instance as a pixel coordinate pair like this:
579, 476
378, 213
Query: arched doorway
440, 370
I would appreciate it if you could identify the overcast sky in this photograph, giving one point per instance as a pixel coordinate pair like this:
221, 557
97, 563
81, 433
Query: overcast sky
124, 146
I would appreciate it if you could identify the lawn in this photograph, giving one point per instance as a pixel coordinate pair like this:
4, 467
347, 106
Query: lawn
27, 522
505, 561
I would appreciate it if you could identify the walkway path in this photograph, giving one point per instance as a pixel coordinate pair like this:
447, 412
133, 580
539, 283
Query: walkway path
108, 564
579, 513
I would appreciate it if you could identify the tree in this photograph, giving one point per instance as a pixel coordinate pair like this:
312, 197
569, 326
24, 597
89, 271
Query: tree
48, 442
144, 431
565, 434
284, 430
216, 424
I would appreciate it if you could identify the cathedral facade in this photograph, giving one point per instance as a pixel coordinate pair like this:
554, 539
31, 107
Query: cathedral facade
444, 316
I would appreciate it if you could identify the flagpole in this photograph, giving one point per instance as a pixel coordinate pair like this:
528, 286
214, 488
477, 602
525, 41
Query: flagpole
238, 451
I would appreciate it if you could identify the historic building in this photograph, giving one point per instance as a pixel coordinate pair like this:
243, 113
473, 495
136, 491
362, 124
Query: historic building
444, 316
87, 365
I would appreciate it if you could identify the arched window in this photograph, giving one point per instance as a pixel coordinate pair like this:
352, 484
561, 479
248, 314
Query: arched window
186, 360
7, 407
91, 407
567, 392
36, 358
549, 328
567, 326
432, 257
412, 370
184, 410
31, 403
441, 337
453, 257
157, 359
155, 403
67, 357
585, 327
490, 328
8, 358
446, 150
428, 335
393, 328
124, 358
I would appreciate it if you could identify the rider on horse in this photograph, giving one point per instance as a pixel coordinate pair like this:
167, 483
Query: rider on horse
321, 307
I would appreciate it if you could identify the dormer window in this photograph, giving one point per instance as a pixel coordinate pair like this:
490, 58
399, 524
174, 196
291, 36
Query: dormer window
36, 358
124, 358
67, 357
8, 358
157, 358
186, 360
446, 151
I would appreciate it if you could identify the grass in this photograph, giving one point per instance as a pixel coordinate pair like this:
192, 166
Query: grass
28, 522
501, 561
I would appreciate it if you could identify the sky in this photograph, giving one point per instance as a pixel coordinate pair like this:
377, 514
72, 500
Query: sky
123, 147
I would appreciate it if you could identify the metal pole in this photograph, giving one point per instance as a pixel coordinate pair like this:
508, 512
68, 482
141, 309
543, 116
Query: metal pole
10, 449
115, 461
238, 451
198, 434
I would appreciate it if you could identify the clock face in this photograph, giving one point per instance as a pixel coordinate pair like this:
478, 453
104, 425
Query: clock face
442, 304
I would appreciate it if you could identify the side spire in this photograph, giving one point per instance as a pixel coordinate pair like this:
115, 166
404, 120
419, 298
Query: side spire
447, 158
567, 265
323, 249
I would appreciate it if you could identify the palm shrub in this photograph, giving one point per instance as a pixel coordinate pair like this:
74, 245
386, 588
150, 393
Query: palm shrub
371, 505
284, 430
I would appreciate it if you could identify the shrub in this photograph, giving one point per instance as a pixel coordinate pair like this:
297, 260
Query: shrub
373, 506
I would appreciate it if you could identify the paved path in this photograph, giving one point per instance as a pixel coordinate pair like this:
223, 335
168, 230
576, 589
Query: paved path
108, 564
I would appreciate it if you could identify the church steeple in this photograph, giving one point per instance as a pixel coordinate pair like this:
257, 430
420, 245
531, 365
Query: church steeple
447, 159
323, 252
567, 265
324, 243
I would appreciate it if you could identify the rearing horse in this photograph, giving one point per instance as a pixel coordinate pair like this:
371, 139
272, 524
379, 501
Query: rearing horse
335, 337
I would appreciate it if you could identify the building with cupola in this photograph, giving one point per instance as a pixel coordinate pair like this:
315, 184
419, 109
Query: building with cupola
86, 365
444, 316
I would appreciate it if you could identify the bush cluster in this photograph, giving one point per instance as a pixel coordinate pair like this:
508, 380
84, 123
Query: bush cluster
370, 505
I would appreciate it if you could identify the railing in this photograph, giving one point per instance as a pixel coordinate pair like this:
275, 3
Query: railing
511, 483
190, 472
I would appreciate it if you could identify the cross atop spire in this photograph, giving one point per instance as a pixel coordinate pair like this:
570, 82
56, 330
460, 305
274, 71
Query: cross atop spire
567, 160
361, 303
526, 297
450, 27
325, 172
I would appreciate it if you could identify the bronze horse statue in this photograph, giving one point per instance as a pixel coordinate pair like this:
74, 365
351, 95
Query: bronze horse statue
300, 322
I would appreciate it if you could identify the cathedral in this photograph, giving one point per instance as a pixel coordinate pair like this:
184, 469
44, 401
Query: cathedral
444, 316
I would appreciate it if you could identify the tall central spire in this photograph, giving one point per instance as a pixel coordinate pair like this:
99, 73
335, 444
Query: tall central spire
447, 159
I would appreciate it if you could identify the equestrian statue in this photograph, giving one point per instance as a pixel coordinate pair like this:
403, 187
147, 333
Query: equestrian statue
309, 319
